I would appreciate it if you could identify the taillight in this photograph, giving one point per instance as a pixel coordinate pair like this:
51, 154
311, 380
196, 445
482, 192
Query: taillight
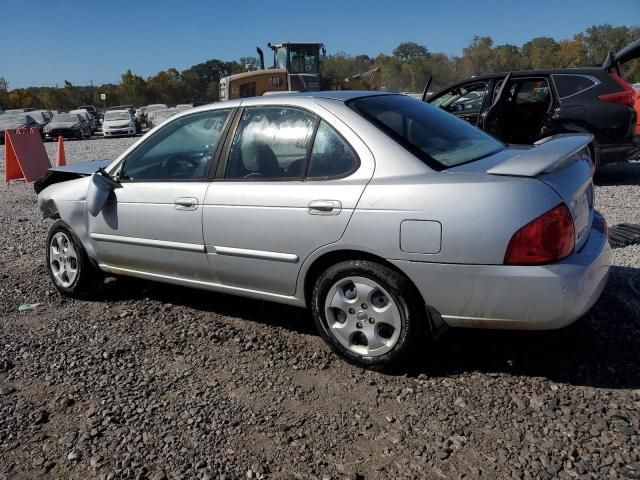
547, 239
625, 97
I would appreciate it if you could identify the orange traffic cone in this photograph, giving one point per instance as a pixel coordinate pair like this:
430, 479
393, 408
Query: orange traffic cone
61, 161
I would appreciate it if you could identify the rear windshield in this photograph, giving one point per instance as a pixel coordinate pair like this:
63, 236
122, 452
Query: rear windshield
117, 115
438, 138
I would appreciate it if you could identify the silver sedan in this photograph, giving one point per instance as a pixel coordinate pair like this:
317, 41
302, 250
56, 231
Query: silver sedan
388, 218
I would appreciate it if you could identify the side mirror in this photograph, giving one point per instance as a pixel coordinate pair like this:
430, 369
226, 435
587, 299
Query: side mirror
100, 187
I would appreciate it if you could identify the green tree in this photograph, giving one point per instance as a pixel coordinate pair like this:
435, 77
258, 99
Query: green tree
4, 92
572, 53
541, 52
506, 58
477, 57
408, 51
133, 89
599, 40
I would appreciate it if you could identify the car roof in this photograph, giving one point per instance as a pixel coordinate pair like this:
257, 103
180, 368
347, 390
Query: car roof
528, 73
341, 95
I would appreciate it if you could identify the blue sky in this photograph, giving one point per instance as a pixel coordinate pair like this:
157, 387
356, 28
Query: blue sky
46, 42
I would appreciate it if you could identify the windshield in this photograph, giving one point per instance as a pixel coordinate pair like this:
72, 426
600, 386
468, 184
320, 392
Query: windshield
303, 59
37, 116
65, 117
438, 138
117, 116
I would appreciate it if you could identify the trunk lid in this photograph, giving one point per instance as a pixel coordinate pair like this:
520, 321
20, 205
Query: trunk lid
563, 162
628, 53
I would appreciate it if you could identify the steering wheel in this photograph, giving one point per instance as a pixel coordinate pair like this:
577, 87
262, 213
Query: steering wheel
178, 166
253, 175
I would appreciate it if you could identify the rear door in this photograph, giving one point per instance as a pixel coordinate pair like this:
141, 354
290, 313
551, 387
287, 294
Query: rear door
524, 111
289, 186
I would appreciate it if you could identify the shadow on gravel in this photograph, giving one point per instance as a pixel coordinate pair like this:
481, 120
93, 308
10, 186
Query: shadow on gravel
268, 313
618, 174
599, 350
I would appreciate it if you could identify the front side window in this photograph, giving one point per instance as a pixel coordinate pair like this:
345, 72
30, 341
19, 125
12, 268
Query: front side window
270, 142
181, 150
439, 139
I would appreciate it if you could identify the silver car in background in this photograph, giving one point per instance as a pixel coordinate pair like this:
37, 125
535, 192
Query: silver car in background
386, 217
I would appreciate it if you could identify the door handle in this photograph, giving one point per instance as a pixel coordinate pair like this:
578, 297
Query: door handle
186, 203
325, 207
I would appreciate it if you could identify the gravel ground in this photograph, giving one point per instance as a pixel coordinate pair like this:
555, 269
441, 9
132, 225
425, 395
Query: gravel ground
151, 381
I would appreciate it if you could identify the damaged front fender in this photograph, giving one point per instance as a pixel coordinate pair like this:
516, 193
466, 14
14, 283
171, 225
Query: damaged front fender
59, 199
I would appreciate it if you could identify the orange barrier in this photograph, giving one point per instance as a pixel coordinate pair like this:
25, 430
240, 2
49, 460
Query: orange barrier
61, 160
24, 155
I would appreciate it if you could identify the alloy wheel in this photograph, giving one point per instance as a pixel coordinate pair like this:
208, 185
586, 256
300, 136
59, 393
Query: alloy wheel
363, 316
63, 260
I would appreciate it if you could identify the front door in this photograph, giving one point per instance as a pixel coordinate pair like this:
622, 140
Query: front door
290, 185
153, 225
464, 101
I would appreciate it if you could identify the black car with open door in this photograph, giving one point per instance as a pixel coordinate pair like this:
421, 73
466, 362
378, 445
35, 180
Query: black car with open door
525, 106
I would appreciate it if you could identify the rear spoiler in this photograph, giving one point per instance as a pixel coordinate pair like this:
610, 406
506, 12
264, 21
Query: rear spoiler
546, 155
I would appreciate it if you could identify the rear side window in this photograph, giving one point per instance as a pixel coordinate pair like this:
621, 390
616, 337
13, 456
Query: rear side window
438, 138
330, 156
271, 142
571, 84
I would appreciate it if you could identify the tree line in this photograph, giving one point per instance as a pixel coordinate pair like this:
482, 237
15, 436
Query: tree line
405, 70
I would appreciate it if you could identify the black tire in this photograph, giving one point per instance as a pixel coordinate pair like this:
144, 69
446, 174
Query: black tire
414, 319
87, 278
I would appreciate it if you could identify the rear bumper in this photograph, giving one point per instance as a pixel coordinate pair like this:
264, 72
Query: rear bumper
622, 152
517, 297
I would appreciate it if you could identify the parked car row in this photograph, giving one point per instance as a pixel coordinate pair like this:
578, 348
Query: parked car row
87, 120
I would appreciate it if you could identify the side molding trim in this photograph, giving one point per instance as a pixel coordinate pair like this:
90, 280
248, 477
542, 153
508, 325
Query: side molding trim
148, 242
256, 254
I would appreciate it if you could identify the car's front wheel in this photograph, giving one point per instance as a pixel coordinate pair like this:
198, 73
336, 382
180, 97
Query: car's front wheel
368, 312
67, 262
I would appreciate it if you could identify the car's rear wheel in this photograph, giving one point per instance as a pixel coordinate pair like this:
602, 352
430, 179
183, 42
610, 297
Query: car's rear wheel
67, 262
368, 312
